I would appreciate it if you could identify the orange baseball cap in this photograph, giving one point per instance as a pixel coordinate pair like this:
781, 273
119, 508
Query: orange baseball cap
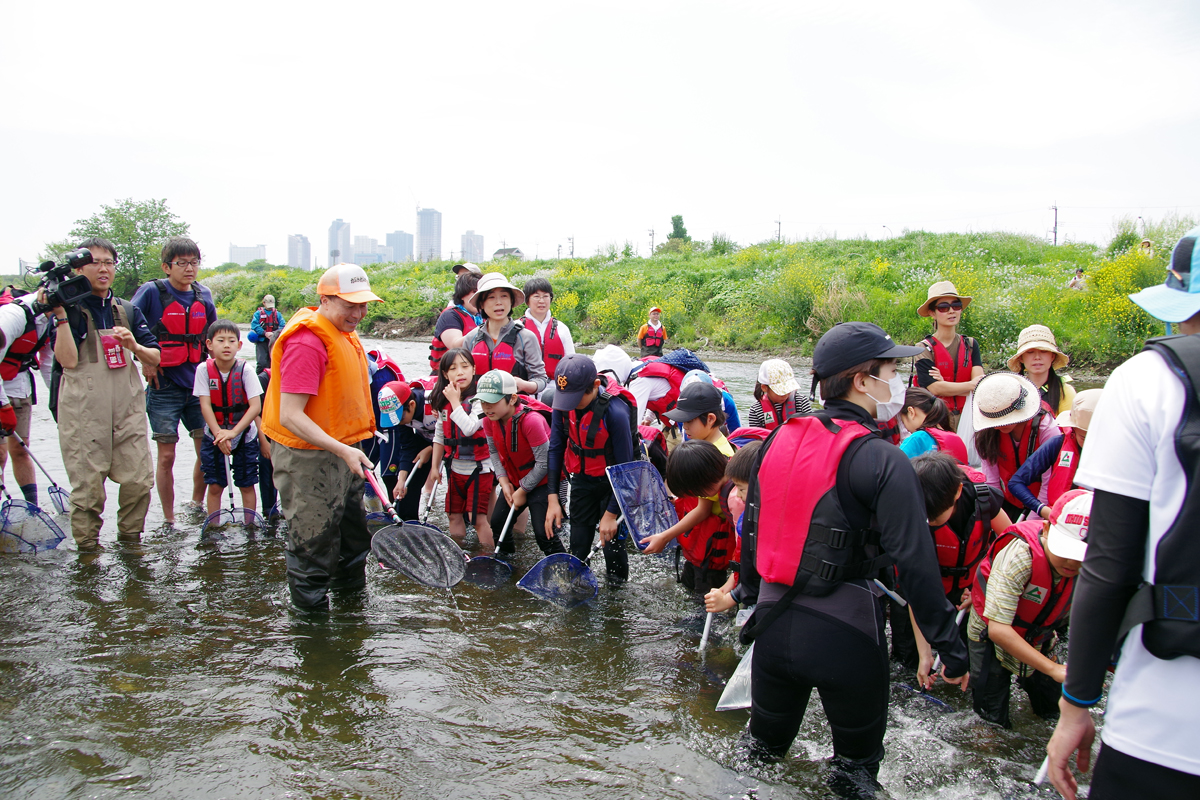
349, 282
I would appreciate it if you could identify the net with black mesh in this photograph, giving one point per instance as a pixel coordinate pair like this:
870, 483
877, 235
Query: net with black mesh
377, 521
227, 520
421, 553
643, 498
561, 578
488, 572
25, 528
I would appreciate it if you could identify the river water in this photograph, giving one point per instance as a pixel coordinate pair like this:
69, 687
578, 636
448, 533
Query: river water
169, 670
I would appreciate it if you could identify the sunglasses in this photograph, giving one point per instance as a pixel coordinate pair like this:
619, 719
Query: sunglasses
955, 305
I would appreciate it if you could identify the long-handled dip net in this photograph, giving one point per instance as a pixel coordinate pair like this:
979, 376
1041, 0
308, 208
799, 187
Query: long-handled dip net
419, 552
226, 519
645, 505
25, 528
59, 497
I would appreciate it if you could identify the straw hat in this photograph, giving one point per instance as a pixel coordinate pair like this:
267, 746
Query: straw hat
495, 280
1004, 398
936, 292
1079, 415
1037, 337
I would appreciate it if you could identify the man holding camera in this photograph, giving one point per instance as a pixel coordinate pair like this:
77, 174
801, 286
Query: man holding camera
101, 404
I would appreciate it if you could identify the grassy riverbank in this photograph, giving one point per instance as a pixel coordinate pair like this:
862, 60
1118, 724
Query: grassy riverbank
780, 297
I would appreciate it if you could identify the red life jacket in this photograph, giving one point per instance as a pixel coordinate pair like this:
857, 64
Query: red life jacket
384, 361
803, 536
1043, 605
552, 345
270, 321
953, 370
890, 430
1011, 458
228, 397
959, 555
23, 352
1062, 474
512, 440
502, 357
180, 330
710, 544
654, 338
949, 442
771, 417
588, 448
459, 445
658, 369
428, 416
437, 349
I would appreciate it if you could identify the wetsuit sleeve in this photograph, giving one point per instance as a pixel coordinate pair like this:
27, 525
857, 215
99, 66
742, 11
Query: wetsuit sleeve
616, 420
558, 445
1111, 573
882, 479
1031, 471
531, 357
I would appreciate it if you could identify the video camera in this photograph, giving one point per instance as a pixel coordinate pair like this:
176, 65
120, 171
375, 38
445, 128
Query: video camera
63, 288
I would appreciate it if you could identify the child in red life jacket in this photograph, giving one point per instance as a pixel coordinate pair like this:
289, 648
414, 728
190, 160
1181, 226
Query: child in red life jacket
1060, 455
1011, 421
951, 365
230, 400
777, 396
700, 411
459, 436
926, 418
965, 516
518, 437
696, 475
592, 428
1021, 599
739, 470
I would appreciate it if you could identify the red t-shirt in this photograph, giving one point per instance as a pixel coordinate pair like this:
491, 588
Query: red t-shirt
302, 364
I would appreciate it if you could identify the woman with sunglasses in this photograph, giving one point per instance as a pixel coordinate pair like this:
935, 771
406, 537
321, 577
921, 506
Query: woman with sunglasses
950, 366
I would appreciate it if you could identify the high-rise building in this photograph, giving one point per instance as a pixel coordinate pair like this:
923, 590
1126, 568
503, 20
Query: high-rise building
429, 234
472, 247
340, 245
299, 252
244, 255
401, 244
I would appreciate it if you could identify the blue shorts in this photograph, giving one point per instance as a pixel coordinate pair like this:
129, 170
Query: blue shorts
245, 463
169, 406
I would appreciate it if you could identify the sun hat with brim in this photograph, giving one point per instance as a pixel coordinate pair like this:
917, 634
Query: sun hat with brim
494, 280
466, 266
937, 292
1037, 337
1178, 298
1079, 415
777, 375
1070, 519
349, 282
1004, 398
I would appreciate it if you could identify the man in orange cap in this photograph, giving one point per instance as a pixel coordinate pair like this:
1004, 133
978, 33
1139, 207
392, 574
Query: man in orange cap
317, 410
652, 336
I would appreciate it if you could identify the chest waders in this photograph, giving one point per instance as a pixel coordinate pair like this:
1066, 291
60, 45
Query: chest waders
103, 433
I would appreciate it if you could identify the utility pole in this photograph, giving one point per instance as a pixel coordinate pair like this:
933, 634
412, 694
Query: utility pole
779, 229
652, 241
571, 239
1054, 208
560, 252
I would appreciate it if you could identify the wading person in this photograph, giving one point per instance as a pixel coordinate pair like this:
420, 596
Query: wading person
31, 349
1141, 460
1011, 422
552, 334
1059, 455
832, 505
101, 404
951, 365
652, 335
1039, 359
263, 324
179, 311
500, 343
458, 319
317, 410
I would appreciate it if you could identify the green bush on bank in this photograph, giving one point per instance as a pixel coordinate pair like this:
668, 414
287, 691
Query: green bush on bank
776, 295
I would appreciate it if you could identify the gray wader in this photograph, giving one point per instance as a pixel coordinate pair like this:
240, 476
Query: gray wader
103, 433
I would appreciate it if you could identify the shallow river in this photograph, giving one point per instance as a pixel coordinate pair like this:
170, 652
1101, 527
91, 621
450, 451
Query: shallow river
170, 670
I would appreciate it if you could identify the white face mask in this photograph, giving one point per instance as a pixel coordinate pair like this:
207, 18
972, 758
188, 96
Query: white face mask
885, 411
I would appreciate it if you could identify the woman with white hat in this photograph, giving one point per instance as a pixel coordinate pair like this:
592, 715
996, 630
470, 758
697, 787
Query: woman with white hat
1060, 454
951, 365
500, 343
1011, 422
1038, 358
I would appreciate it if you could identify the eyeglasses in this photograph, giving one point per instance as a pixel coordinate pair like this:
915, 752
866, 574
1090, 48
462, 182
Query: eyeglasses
108, 262
952, 306
194, 264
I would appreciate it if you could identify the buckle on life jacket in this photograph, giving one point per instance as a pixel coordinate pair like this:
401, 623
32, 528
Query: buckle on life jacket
838, 538
954, 572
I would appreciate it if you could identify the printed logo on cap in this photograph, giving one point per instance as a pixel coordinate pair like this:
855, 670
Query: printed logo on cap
561, 380
388, 402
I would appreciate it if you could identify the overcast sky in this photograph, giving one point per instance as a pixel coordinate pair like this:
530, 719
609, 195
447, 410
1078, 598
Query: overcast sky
533, 122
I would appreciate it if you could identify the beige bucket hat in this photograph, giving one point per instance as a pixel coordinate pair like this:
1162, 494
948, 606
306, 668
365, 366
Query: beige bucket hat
1037, 337
1004, 398
938, 291
495, 280
1079, 415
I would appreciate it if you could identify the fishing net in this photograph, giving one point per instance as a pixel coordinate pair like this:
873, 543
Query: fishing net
420, 552
377, 521
642, 496
60, 498
737, 691
561, 578
25, 528
488, 572
228, 520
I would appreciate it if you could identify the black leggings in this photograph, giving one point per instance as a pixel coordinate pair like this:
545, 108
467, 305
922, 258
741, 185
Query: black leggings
804, 650
536, 502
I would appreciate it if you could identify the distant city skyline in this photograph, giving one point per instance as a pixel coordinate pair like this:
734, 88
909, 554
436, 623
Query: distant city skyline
429, 234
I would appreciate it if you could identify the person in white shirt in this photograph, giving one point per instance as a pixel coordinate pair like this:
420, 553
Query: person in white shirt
552, 334
32, 347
